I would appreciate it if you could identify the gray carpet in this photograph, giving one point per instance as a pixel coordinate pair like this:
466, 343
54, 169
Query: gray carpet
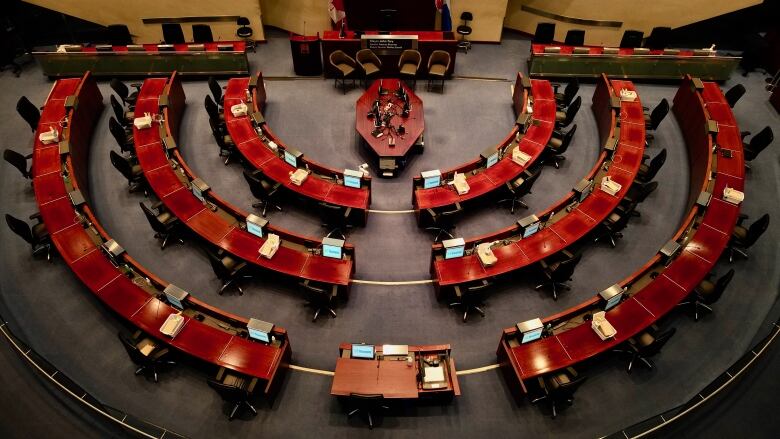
51, 309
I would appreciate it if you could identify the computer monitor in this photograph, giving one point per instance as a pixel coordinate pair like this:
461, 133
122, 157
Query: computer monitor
332, 248
363, 351
256, 225
198, 188
530, 330
492, 160
490, 155
431, 179
611, 296
260, 330
454, 248
583, 189
175, 296
529, 225
530, 230
290, 159
352, 178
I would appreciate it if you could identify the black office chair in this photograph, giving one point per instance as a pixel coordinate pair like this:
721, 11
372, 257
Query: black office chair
18, 161
125, 118
559, 387
563, 100
234, 389
131, 171
147, 363
470, 298
557, 146
743, 238
659, 38
756, 144
368, 405
29, 112
335, 219
37, 236
636, 194
172, 33
165, 225
648, 172
443, 222
464, 30
519, 188
128, 99
565, 118
545, 33
631, 39
119, 35
225, 143
201, 33
645, 345
320, 297
733, 94
611, 228
265, 191
655, 118
229, 270
575, 37
122, 137
707, 293
245, 33
212, 109
216, 91
556, 274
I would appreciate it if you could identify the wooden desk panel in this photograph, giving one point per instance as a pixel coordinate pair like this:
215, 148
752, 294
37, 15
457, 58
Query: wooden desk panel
392, 379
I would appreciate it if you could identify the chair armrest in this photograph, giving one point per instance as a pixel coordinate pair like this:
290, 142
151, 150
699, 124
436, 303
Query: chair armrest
572, 372
348, 212
555, 88
251, 387
36, 215
567, 253
545, 266
220, 374
744, 134
156, 205
136, 85
239, 267
432, 213
742, 217
160, 353
28, 156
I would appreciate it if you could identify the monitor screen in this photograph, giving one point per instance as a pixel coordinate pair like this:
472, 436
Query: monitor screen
290, 159
198, 193
331, 251
614, 300
531, 229
454, 252
350, 181
174, 301
363, 351
492, 160
254, 229
530, 336
259, 335
584, 194
432, 182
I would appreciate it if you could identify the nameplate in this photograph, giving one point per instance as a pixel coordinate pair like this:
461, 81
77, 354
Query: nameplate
388, 44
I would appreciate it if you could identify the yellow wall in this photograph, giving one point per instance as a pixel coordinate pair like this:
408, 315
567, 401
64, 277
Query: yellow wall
636, 15
291, 14
131, 12
488, 18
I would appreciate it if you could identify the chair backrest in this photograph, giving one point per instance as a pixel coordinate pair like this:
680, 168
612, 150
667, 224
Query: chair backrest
28, 111
645, 190
216, 264
132, 350
242, 21
545, 33
217, 133
655, 165
566, 390
571, 90
720, 287
756, 230
231, 394
20, 228
527, 184
216, 89
466, 16
119, 110
574, 107
121, 164
17, 161
120, 89
632, 39
566, 268
447, 218
575, 37
758, 143
567, 138
659, 113
211, 107
157, 226
659, 342
201, 33
734, 93
410, 56
119, 35
339, 57
255, 186
365, 56
172, 33
119, 134
332, 215
659, 38
439, 57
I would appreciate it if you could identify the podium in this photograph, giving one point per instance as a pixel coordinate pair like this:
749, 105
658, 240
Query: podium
306, 54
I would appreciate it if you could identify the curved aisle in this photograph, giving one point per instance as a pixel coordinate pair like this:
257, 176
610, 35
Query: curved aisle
60, 181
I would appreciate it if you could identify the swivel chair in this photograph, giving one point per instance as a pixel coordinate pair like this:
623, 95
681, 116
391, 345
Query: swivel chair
164, 224
470, 298
125, 118
368, 405
228, 269
172, 33
201, 33
443, 222
631, 39
557, 146
131, 171
245, 33
636, 194
757, 144
557, 273
733, 94
335, 219
37, 236
655, 118
320, 297
265, 191
564, 118
707, 293
743, 238
519, 188
119, 35
123, 139
18, 161
545, 33
648, 172
29, 112
128, 99
148, 363
644, 346
212, 109
464, 30
563, 100
575, 37
234, 389
559, 387
216, 91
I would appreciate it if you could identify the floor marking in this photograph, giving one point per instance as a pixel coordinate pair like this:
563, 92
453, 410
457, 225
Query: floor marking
477, 370
330, 373
392, 283
391, 212
310, 370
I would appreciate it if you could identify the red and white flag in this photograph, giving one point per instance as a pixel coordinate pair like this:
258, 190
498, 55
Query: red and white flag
336, 10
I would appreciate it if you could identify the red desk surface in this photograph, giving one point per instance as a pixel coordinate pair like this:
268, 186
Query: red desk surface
414, 124
210, 225
261, 157
392, 379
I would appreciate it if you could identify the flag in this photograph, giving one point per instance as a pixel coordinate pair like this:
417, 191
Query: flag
443, 6
336, 10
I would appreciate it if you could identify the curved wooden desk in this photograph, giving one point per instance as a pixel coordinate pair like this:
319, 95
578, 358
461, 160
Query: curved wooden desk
131, 291
216, 221
568, 220
658, 286
324, 184
485, 181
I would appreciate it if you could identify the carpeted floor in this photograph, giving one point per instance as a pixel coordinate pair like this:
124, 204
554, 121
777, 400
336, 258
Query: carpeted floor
57, 316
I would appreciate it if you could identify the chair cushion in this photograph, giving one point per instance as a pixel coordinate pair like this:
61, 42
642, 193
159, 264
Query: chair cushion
555, 143
643, 168
464, 30
244, 32
560, 116
645, 339
136, 170
165, 217
346, 69
705, 288
370, 68
229, 262
437, 70
409, 69
39, 231
739, 233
